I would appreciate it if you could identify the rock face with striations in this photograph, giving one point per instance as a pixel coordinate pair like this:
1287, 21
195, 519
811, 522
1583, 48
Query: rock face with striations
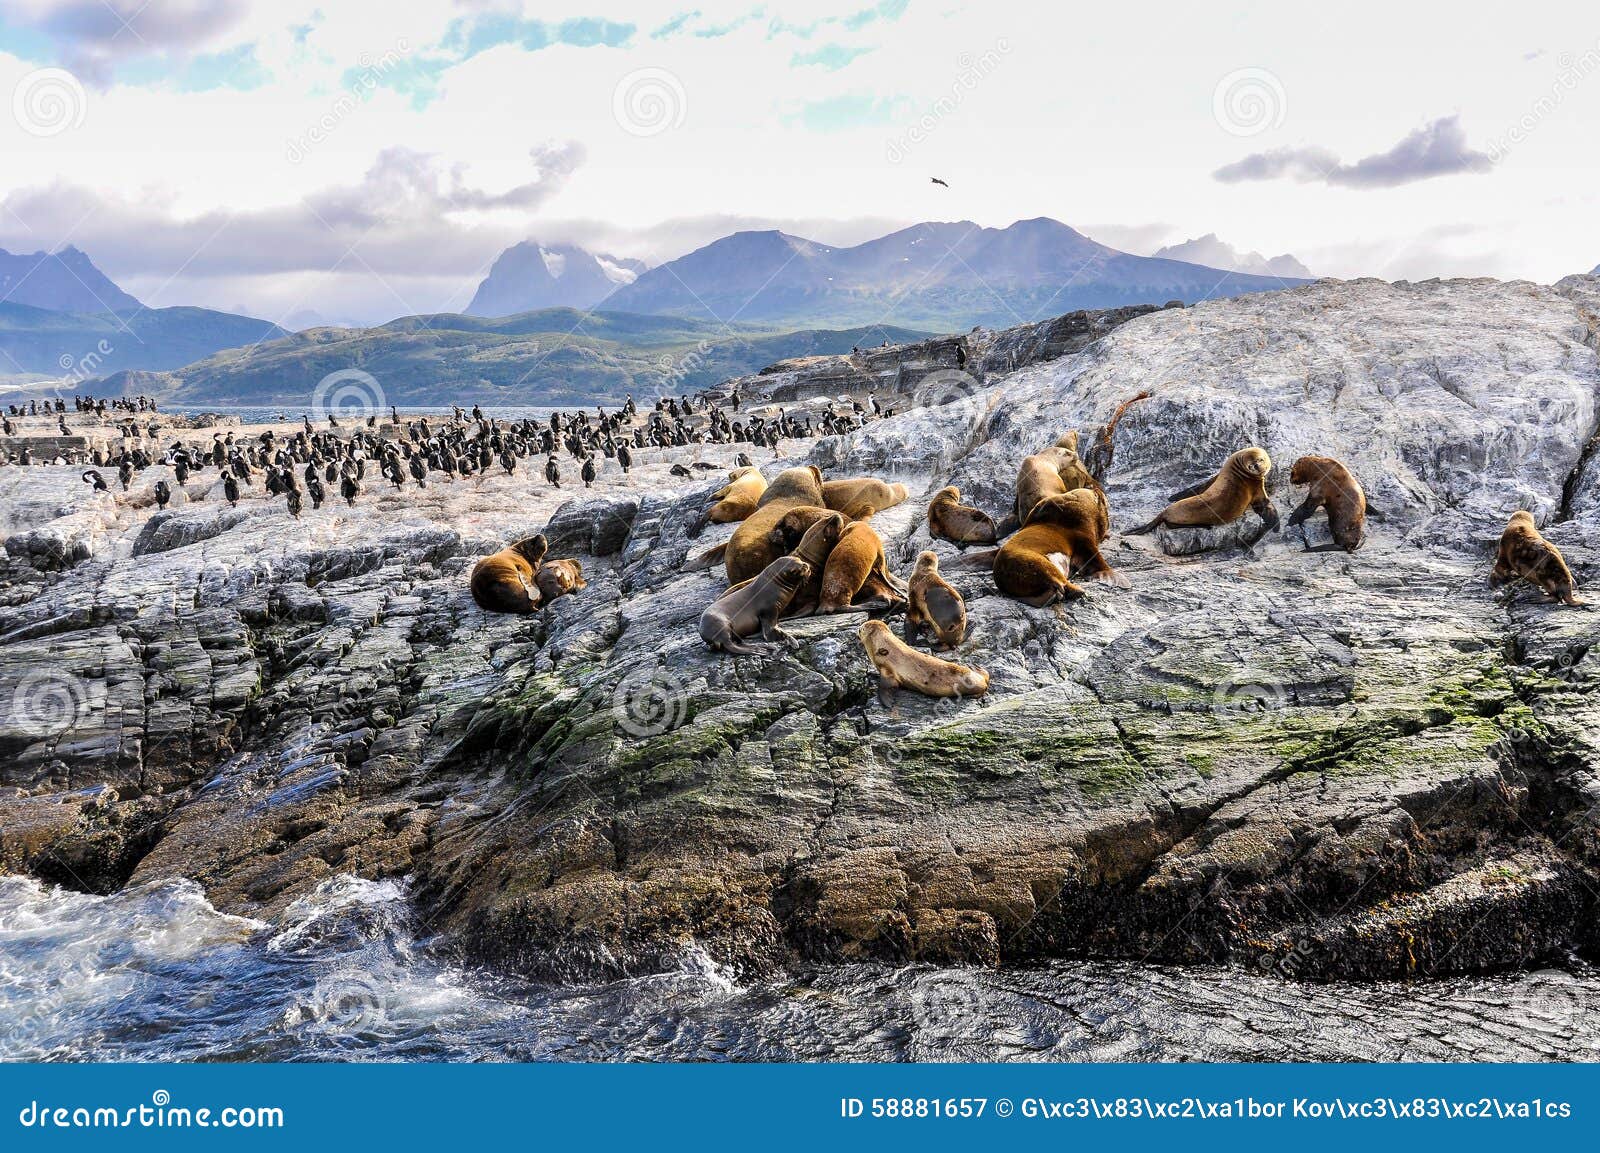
1359, 765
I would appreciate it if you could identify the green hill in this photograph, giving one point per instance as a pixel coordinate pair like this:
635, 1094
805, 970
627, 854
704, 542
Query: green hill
551, 356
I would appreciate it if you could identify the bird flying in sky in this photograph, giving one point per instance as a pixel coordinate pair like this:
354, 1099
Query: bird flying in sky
939, 182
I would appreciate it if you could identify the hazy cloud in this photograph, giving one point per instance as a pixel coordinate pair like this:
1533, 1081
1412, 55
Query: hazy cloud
93, 36
1438, 149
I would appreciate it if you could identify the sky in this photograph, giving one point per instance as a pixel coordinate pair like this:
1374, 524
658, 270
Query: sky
355, 161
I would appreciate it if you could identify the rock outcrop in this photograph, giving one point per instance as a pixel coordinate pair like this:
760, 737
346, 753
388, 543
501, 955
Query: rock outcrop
1332, 765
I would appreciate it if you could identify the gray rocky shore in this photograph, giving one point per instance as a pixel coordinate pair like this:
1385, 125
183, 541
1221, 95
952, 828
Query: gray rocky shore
1324, 764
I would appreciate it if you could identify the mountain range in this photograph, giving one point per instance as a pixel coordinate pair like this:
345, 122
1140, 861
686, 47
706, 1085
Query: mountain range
942, 276
530, 276
1214, 252
81, 345
62, 281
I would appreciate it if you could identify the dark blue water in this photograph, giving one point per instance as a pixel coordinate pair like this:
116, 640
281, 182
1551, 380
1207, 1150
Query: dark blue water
155, 973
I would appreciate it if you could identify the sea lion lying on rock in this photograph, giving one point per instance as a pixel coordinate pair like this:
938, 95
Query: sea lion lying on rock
504, 582
1526, 554
734, 501
1053, 472
1062, 538
900, 666
861, 496
857, 573
1333, 488
960, 524
809, 535
752, 547
557, 578
754, 606
1240, 486
935, 605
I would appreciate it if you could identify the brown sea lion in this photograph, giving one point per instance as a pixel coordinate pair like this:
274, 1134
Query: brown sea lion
1062, 538
752, 548
961, 525
504, 581
754, 606
734, 501
1240, 485
1098, 460
1332, 488
902, 667
557, 578
1525, 553
934, 605
1053, 472
858, 573
861, 496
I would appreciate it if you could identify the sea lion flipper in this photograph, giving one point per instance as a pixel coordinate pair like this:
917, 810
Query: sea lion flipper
1192, 490
1306, 508
705, 560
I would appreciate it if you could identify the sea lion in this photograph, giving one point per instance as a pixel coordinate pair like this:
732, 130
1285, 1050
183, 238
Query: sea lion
752, 547
558, 578
1332, 488
861, 496
934, 605
1525, 553
754, 606
1098, 460
504, 581
960, 524
1241, 484
858, 572
1062, 538
810, 535
734, 501
1053, 472
900, 666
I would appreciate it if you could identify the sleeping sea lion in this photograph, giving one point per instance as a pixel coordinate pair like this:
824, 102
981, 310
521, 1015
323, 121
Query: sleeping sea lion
1332, 488
900, 666
1062, 538
857, 572
961, 525
861, 496
934, 605
754, 606
1525, 553
1240, 485
504, 581
557, 578
734, 501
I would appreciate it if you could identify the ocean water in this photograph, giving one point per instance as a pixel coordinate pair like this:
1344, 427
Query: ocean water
156, 973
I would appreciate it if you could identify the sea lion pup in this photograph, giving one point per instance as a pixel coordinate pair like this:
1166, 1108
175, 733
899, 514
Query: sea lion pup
504, 581
754, 606
1098, 460
934, 605
857, 573
900, 666
1332, 488
810, 535
1053, 472
752, 548
1525, 553
862, 495
557, 578
960, 524
1241, 484
1062, 537
734, 501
